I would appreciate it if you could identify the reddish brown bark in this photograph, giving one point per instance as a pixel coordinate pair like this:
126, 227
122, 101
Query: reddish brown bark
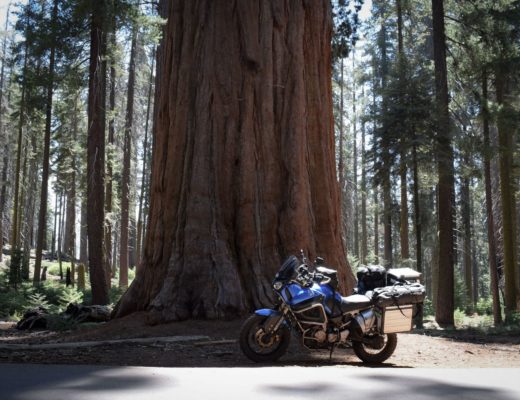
445, 296
243, 167
492, 250
96, 156
506, 131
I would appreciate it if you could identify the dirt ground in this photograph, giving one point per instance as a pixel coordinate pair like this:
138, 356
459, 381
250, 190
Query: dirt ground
425, 348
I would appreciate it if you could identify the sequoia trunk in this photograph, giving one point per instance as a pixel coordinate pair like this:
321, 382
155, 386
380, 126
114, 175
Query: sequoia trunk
243, 170
445, 296
96, 156
492, 251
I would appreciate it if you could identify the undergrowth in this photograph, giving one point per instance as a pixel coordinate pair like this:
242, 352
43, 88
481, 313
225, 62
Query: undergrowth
52, 295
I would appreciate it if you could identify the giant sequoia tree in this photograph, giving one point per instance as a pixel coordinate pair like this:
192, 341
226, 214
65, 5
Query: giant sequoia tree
445, 295
243, 167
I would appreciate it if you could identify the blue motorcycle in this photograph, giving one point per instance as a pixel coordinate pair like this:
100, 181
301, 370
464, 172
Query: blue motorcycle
309, 305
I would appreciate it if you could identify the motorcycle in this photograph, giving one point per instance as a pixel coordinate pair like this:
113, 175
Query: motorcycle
309, 305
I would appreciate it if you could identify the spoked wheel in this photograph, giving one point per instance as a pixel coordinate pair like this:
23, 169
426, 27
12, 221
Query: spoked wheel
377, 352
258, 345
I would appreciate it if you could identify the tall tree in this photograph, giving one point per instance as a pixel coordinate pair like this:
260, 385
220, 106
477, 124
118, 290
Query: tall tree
15, 234
403, 168
364, 233
142, 195
96, 154
445, 295
110, 267
228, 202
127, 154
355, 160
5, 138
492, 251
506, 128
42, 219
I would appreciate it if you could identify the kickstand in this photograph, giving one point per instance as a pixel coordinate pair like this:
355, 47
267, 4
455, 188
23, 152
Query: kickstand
331, 351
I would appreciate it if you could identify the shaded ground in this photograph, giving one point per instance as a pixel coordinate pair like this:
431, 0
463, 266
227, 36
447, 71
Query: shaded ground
420, 349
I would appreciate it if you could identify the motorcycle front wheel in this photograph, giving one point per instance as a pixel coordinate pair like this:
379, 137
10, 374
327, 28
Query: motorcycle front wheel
259, 346
372, 355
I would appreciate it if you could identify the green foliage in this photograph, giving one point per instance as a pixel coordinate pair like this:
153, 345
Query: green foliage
484, 306
53, 267
459, 316
428, 309
69, 295
114, 294
354, 262
51, 295
38, 299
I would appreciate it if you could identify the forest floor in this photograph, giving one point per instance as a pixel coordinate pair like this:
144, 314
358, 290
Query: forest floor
218, 347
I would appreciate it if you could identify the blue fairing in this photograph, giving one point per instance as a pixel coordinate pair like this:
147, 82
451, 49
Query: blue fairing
294, 294
267, 312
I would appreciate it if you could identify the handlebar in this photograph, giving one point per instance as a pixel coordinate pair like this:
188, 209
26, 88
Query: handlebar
306, 278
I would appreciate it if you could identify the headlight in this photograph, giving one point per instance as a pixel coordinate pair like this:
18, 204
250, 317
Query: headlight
277, 285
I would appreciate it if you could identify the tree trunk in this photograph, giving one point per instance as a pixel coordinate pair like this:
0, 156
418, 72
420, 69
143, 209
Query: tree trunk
445, 295
403, 168
146, 172
59, 232
387, 218
376, 225
42, 219
243, 167
364, 234
30, 181
403, 231
21, 122
71, 209
83, 241
127, 156
466, 225
355, 164
96, 155
417, 209
55, 226
387, 165
111, 137
506, 129
341, 157
5, 138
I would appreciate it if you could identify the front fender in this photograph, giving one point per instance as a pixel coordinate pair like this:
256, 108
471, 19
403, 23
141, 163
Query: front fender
273, 320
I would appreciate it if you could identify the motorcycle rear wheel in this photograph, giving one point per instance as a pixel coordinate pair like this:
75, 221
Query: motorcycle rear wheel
260, 347
371, 355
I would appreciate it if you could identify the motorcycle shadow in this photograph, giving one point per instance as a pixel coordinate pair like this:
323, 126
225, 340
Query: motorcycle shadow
301, 357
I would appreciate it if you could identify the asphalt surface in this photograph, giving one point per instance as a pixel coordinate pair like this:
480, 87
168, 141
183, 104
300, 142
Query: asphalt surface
66, 382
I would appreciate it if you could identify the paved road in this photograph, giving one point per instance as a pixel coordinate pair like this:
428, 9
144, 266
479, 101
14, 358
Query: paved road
65, 382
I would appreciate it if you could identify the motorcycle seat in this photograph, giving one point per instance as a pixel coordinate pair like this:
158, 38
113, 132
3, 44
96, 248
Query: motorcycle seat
354, 302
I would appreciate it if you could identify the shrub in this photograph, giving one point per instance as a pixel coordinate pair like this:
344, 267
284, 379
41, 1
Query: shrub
484, 307
459, 316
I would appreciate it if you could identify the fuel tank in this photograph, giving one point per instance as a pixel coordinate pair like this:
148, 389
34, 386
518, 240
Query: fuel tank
299, 297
